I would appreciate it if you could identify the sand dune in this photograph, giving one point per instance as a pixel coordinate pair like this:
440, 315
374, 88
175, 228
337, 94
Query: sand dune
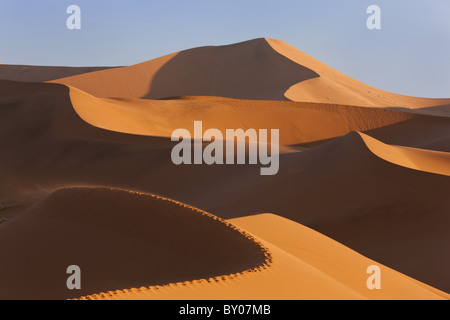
391, 213
263, 69
305, 265
119, 240
367, 168
42, 73
250, 69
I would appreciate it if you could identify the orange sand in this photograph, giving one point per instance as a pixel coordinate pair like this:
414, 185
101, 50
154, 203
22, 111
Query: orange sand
83, 157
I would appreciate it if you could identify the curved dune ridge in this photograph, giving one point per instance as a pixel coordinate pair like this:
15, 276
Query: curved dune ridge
417, 159
119, 239
266, 69
298, 122
306, 265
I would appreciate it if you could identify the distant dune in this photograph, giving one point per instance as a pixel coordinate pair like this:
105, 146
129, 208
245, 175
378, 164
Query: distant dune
86, 173
263, 69
42, 73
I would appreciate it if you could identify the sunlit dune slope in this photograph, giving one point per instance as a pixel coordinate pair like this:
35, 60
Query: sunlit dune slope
331, 257
119, 240
336, 87
305, 265
417, 159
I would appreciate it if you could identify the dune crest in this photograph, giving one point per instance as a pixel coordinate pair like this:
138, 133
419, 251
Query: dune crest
413, 158
119, 239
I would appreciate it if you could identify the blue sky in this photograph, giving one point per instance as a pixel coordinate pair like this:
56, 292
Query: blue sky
409, 55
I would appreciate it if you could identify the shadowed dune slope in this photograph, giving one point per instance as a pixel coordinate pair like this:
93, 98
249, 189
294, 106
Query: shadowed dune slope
42, 73
305, 265
119, 240
263, 69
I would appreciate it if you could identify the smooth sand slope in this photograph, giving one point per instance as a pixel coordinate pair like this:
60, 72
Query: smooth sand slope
305, 265
263, 68
119, 240
42, 73
336, 87
384, 209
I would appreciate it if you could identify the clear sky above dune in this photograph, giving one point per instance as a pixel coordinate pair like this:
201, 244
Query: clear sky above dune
409, 55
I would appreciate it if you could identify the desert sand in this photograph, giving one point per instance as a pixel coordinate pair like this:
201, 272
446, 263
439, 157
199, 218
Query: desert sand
304, 265
86, 179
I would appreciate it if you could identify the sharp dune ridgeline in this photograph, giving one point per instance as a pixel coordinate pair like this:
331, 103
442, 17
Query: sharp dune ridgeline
86, 178
122, 239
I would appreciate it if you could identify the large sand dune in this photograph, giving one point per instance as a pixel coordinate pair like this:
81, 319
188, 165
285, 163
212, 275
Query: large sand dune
263, 68
250, 69
368, 169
